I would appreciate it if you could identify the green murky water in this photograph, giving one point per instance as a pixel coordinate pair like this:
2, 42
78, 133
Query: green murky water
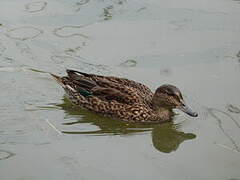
192, 44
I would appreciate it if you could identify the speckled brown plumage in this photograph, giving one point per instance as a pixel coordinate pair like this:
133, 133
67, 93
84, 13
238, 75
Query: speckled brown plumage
120, 98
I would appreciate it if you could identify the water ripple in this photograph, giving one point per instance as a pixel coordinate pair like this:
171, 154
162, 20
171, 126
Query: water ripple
5, 154
35, 6
212, 112
24, 33
68, 31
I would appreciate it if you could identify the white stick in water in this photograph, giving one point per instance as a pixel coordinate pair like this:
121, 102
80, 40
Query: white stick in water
52, 126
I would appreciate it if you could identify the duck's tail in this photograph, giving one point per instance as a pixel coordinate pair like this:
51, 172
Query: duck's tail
75, 83
71, 91
58, 79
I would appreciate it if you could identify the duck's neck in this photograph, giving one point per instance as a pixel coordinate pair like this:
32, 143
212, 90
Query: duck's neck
163, 113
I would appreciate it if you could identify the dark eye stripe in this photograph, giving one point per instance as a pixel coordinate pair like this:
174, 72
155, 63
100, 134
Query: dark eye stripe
178, 97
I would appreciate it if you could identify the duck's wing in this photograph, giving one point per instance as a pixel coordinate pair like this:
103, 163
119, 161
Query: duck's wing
121, 84
103, 89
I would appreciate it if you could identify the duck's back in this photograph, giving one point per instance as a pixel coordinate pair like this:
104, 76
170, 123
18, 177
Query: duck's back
120, 89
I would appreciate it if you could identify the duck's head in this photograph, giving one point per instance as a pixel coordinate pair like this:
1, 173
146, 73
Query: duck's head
169, 97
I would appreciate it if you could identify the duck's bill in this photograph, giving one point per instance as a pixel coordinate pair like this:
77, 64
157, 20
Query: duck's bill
187, 110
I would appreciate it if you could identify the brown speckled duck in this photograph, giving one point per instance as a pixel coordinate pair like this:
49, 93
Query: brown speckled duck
121, 98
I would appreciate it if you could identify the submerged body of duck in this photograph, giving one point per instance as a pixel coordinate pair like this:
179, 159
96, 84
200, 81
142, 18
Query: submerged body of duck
122, 98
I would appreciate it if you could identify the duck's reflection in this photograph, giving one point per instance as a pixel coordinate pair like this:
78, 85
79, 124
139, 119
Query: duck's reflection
165, 137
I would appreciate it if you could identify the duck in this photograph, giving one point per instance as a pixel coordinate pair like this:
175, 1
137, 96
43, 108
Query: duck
121, 98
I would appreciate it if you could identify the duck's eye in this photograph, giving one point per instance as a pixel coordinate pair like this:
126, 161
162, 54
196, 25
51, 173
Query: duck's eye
176, 97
